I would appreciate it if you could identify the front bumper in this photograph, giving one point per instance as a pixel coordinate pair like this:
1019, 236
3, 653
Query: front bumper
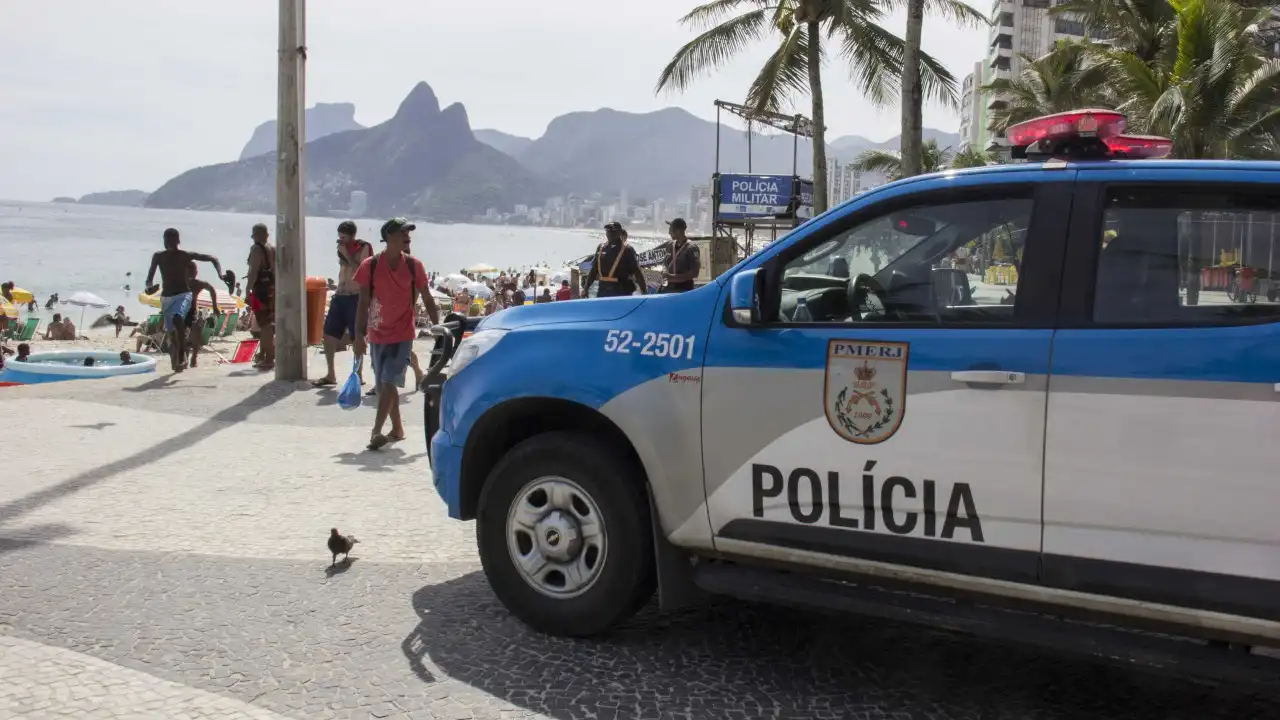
446, 471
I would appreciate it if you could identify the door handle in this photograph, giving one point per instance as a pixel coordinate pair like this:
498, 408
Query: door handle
989, 377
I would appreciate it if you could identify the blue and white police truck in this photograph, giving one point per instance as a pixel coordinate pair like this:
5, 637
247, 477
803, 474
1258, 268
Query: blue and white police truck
1027, 387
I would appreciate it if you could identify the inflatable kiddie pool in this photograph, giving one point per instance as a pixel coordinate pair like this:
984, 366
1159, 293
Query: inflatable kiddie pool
45, 367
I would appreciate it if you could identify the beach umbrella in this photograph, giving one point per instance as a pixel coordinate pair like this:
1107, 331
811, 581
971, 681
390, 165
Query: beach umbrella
22, 297
480, 290
225, 300
540, 270
440, 295
455, 281
85, 299
561, 275
482, 269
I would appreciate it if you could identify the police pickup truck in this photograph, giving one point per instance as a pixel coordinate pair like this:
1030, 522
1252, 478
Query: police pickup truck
1019, 388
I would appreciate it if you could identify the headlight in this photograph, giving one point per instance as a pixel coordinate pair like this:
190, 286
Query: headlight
473, 347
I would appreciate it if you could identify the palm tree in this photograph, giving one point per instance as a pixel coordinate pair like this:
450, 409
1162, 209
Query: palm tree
971, 157
874, 57
932, 159
1142, 27
913, 82
1073, 76
1208, 89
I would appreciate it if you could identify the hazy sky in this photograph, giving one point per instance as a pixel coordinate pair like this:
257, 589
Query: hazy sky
117, 94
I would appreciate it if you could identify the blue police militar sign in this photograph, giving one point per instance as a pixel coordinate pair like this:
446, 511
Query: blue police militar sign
743, 197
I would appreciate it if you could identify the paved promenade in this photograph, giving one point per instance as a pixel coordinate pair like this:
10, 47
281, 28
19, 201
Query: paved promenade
162, 556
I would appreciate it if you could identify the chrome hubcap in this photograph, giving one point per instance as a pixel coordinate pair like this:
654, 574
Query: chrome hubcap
556, 537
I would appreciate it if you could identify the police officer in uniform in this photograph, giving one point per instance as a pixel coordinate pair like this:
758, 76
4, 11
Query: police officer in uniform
685, 262
616, 266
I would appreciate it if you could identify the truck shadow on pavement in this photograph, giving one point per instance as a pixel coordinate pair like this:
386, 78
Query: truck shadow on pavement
37, 535
727, 659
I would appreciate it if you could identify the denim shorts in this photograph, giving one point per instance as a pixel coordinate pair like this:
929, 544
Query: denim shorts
341, 318
389, 362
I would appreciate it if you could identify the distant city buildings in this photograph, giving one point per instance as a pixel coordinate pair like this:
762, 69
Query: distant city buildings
359, 203
844, 181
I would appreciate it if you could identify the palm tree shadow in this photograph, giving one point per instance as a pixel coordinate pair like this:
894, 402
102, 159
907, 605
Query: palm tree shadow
265, 396
31, 536
94, 426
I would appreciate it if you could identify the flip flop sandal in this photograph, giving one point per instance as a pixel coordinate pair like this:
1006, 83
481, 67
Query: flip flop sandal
378, 442
373, 392
323, 383
395, 438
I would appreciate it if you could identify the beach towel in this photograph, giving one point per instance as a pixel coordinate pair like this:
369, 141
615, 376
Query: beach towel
349, 396
174, 306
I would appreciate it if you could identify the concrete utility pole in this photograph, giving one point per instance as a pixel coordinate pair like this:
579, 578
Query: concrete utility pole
291, 236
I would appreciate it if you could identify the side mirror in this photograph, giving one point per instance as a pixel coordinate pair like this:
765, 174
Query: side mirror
744, 297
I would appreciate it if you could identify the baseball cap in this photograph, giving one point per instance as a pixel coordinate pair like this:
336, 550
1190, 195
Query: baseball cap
346, 227
395, 225
615, 225
678, 224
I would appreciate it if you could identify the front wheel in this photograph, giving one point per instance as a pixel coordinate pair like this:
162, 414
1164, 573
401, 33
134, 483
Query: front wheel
564, 535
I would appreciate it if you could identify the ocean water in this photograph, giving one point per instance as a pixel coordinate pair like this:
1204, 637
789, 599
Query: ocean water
48, 247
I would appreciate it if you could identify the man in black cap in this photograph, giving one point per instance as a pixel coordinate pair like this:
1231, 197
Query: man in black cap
616, 266
341, 318
390, 284
685, 263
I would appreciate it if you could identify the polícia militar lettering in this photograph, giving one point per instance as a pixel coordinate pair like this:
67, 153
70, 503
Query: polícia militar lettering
808, 502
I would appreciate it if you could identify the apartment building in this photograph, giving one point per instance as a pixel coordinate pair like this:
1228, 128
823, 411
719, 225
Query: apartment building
1019, 27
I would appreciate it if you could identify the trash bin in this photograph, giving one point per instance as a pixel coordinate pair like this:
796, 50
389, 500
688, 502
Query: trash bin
317, 293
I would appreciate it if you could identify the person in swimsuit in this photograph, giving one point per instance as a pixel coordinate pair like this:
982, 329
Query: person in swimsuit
196, 337
175, 292
262, 293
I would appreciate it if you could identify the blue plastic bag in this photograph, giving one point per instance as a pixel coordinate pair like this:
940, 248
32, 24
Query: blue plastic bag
349, 395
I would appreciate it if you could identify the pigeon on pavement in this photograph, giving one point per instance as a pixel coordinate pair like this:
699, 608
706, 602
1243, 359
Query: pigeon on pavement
340, 545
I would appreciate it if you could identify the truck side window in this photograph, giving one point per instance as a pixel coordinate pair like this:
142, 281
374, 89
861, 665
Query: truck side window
1186, 257
946, 263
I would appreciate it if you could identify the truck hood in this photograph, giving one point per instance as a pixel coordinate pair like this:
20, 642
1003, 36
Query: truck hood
572, 311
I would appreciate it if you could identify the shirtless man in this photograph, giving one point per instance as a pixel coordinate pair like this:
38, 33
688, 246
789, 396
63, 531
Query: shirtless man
197, 329
176, 299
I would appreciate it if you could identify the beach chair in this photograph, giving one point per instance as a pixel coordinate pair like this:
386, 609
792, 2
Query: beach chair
233, 321
27, 332
244, 351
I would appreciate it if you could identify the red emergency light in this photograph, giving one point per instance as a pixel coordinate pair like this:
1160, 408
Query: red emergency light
1099, 124
1092, 133
1146, 147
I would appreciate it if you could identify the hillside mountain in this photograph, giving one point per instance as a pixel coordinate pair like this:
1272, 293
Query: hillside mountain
125, 198
663, 153
423, 162
321, 119
848, 147
512, 145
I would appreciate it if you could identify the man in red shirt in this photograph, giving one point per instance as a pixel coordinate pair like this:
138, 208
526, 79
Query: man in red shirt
390, 283
564, 293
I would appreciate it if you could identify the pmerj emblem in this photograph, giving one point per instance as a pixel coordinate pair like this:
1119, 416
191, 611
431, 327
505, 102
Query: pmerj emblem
866, 389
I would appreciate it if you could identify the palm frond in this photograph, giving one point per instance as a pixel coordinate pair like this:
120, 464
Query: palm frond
882, 161
710, 14
712, 49
784, 75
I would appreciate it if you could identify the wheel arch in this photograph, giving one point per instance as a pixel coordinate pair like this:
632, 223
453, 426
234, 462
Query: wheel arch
504, 426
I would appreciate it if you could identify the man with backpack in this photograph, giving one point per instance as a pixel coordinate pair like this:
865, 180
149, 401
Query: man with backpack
390, 284
341, 318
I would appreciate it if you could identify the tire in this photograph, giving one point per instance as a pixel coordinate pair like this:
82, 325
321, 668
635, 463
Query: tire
624, 578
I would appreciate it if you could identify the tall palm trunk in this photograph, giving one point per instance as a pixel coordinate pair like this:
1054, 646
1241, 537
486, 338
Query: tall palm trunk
912, 92
819, 122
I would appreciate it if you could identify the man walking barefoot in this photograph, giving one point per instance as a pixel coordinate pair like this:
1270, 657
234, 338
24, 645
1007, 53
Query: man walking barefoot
175, 292
341, 318
390, 283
